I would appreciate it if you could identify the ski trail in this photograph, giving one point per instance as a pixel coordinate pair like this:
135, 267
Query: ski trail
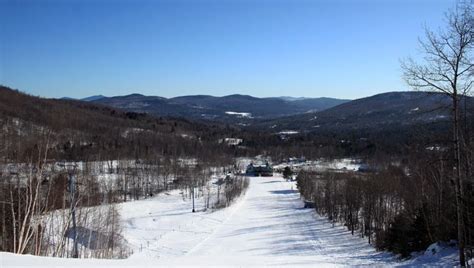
235, 207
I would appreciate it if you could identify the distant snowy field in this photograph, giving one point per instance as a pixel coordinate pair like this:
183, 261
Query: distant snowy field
265, 227
321, 165
240, 114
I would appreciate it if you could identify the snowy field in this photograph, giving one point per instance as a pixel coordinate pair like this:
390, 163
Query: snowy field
322, 165
265, 227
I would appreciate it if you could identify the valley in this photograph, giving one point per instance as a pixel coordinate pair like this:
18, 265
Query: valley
197, 133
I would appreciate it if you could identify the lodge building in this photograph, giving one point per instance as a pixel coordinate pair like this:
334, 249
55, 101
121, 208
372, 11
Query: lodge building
259, 170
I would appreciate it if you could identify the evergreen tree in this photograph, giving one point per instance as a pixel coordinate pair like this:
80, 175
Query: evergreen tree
287, 173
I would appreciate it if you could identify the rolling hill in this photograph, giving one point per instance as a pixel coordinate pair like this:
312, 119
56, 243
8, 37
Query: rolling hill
386, 109
233, 108
392, 110
80, 129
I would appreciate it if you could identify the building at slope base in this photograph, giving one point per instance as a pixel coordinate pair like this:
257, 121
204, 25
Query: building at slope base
255, 170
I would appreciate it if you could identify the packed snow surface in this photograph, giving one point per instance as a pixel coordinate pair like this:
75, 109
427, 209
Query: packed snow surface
288, 132
266, 227
239, 114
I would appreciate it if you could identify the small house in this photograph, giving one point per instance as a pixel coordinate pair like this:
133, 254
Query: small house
259, 170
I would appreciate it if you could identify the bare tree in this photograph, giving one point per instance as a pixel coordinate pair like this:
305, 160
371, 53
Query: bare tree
448, 67
26, 201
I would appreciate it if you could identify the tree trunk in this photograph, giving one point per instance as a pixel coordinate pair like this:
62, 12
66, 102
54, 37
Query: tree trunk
458, 181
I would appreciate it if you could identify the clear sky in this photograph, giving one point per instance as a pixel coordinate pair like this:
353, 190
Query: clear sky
345, 49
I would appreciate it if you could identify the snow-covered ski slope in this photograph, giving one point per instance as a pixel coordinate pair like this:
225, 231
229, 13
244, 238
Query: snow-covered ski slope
270, 226
265, 227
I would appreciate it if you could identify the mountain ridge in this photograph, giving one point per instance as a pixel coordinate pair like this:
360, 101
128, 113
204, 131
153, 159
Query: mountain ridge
227, 108
392, 109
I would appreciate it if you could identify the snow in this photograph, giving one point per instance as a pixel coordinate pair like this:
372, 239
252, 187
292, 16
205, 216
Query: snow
239, 114
439, 254
345, 163
136, 105
342, 164
266, 227
127, 132
165, 227
288, 132
231, 141
270, 227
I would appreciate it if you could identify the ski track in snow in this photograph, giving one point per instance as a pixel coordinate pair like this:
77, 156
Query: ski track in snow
266, 227
270, 222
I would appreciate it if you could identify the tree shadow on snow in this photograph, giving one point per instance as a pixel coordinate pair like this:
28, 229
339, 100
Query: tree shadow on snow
90, 238
269, 182
284, 192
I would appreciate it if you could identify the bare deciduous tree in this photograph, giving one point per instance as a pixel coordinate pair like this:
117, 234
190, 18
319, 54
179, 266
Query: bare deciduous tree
448, 67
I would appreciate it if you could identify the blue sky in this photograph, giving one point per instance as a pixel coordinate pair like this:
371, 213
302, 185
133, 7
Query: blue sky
345, 49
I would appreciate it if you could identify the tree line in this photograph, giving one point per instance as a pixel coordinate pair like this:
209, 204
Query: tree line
402, 207
410, 201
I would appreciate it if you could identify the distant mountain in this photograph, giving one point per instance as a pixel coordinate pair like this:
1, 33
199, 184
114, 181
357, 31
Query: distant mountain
288, 98
232, 108
393, 109
93, 98
378, 111
317, 104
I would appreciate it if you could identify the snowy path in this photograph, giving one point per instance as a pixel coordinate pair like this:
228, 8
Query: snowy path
270, 223
267, 226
